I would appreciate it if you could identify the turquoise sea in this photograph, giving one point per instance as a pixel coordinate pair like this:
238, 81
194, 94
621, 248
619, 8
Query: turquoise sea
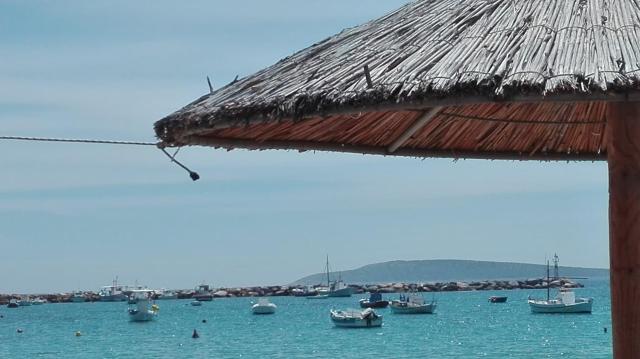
464, 326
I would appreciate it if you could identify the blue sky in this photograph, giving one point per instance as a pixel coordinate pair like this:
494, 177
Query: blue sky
74, 216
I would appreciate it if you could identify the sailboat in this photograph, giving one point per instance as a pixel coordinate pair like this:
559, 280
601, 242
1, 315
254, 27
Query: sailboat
565, 301
334, 289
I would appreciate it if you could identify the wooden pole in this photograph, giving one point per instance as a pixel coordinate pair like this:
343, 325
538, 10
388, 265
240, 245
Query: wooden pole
623, 155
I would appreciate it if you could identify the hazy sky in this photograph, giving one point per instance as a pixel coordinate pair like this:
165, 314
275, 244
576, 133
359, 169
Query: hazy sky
75, 216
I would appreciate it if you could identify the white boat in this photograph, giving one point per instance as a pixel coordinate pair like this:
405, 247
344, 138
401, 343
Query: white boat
24, 302
565, 301
144, 309
203, 293
38, 301
263, 307
78, 297
412, 304
166, 294
340, 289
334, 289
13, 303
112, 293
196, 303
356, 319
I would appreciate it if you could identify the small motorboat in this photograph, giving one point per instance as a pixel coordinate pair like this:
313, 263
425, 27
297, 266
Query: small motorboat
263, 307
497, 299
412, 304
78, 297
24, 302
196, 303
356, 319
374, 301
38, 301
12, 304
143, 310
166, 294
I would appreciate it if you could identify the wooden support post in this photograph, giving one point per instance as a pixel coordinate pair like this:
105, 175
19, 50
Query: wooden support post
623, 155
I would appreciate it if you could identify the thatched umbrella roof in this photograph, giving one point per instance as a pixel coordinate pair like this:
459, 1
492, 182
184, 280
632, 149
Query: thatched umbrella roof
509, 79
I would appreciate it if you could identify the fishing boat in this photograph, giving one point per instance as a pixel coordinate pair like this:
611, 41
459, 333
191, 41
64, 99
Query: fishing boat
13, 303
497, 299
203, 293
564, 303
356, 319
143, 310
339, 289
24, 302
334, 289
374, 301
38, 301
166, 294
112, 293
412, 304
78, 297
263, 307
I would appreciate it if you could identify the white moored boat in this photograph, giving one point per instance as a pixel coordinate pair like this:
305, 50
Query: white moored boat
334, 289
143, 310
412, 304
263, 307
166, 294
356, 319
112, 293
24, 302
565, 301
78, 297
38, 301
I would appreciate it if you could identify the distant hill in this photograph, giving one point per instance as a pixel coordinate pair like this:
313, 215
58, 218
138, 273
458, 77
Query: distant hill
440, 270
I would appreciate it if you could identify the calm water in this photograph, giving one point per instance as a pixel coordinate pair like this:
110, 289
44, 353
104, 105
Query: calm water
465, 325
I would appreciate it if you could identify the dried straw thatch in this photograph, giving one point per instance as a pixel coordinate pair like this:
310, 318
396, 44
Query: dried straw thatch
454, 78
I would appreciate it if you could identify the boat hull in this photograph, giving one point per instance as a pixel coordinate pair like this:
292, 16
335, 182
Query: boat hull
498, 299
323, 296
561, 308
354, 322
263, 309
377, 304
113, 298
402, 308
12, 305
141, 316
344, 292
203, 298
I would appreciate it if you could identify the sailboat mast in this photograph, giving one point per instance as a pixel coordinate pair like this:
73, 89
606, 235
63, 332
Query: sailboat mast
548, 284
328, 280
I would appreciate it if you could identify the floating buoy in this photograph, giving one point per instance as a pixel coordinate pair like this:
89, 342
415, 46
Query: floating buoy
78, 333
204, 320
19, 330
605, 329
195, 334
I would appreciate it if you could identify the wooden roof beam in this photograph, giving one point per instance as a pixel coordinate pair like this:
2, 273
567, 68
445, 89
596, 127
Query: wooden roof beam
415, 127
